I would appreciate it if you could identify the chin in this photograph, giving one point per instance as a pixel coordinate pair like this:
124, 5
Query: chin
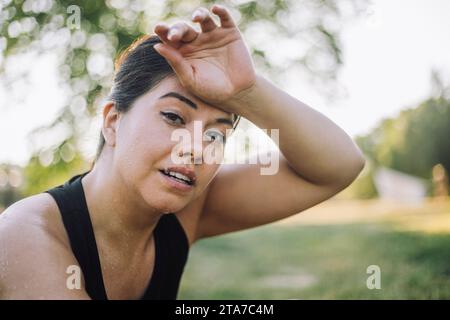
169, 207
164, 202
158, 197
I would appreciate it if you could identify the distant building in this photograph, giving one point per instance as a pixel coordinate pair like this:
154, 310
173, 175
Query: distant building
399, 186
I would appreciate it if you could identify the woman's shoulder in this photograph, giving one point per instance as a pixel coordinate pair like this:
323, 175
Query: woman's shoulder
34, 250
37, 214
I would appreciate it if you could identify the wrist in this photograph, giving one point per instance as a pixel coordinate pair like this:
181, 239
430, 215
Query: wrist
244, 99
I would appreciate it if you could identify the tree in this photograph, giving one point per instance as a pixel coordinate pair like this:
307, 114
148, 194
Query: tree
414, 142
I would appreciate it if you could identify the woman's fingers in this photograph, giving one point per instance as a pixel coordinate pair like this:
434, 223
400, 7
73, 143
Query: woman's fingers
181, 31
226, 21
177, 62
162, 30
206, 21
178, 32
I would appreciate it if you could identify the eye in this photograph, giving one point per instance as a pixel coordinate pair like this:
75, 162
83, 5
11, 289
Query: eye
173, 118
215, 135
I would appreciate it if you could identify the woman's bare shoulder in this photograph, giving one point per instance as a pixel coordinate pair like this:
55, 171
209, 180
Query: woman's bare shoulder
34, 250
39, 211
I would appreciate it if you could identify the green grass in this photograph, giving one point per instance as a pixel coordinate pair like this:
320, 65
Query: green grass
319, 262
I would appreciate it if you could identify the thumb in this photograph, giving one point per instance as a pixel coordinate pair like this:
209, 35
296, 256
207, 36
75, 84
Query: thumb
176, 61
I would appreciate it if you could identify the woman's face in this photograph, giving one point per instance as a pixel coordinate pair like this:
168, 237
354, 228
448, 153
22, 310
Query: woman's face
145, 150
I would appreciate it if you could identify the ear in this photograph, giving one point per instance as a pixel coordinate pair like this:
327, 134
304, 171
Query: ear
110, 123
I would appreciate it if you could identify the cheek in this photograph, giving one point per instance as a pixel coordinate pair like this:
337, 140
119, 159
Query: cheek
141, 144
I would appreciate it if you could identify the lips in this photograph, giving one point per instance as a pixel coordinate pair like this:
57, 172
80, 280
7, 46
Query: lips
181, 174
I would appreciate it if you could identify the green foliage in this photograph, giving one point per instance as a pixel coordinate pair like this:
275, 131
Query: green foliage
414, 141
41, 177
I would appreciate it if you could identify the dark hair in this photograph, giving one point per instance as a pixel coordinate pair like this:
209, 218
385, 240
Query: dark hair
137, 70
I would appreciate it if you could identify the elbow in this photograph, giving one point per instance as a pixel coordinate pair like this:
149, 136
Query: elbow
359, 162
354, 169
359, 166
356, 163
349, 173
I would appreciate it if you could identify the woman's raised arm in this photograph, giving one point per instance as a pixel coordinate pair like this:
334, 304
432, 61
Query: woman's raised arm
317, 158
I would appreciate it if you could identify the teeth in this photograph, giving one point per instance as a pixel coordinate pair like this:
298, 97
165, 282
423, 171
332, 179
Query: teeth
177, 175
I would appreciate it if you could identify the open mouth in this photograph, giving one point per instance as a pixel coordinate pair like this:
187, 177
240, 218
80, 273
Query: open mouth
178, 177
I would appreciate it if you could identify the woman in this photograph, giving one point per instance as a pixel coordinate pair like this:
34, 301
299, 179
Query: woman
128, 223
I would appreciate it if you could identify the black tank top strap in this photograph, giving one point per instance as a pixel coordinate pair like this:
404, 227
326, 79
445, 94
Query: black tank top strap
171, 245
75, 215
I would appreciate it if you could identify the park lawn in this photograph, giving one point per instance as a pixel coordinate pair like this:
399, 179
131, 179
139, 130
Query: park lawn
325, 261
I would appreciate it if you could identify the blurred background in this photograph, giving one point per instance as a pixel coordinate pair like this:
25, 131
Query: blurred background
379, 69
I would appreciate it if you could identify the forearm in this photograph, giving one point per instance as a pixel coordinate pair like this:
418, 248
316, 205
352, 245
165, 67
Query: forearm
315, 147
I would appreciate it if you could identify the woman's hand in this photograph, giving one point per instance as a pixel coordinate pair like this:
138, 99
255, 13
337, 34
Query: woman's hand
213, 64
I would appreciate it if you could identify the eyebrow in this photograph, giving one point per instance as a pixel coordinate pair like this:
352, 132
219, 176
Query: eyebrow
181, 98
193, 105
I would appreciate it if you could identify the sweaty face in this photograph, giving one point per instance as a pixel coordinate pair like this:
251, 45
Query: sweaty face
165, 122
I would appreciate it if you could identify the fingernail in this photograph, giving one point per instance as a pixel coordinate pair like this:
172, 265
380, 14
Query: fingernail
196, 14
171, 33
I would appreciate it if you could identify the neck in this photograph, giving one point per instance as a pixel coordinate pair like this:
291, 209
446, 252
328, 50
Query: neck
118, 215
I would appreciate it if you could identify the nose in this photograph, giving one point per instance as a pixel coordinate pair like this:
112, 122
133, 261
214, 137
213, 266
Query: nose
192, 154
